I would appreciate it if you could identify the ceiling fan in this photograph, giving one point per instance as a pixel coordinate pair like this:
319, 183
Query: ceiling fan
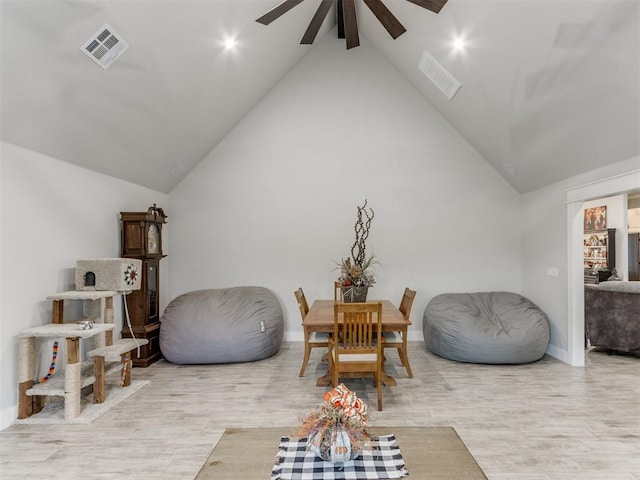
346, 17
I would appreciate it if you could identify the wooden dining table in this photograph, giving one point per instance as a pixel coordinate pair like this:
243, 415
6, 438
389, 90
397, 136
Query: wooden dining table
320, 319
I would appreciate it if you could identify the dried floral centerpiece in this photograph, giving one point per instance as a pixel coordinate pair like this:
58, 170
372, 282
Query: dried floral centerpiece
356, 272
336, 431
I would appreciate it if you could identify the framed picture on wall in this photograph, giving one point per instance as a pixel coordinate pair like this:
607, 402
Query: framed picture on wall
595, 218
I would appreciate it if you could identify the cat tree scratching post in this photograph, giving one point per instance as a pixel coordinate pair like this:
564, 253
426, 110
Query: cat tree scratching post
97, 282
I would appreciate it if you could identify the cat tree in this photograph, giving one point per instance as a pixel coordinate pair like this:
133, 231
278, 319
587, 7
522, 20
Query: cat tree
97, 282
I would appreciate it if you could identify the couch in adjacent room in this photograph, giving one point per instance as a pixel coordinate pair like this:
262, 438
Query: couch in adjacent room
612, 315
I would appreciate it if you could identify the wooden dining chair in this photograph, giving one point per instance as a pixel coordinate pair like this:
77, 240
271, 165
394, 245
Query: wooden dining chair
396, 339
311, 339
337, 292
359, 351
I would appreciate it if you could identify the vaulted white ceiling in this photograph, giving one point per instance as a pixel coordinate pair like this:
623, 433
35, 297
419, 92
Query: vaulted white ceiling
550, 89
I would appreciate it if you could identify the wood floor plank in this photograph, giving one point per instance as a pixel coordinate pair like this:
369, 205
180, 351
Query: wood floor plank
541, 421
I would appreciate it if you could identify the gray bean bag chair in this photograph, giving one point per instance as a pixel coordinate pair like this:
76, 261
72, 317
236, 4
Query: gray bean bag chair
486, 327
239, 324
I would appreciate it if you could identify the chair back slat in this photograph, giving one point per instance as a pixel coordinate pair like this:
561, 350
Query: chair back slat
302, 302
358, 326
407, 302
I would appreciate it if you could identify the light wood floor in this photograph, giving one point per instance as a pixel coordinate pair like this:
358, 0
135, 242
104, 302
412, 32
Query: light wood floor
543, 421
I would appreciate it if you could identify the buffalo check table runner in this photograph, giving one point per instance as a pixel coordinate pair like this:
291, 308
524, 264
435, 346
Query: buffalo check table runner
382, 460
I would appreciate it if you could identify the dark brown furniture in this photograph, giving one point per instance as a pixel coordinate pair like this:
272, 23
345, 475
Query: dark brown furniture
599, 255
634, 256
142, 238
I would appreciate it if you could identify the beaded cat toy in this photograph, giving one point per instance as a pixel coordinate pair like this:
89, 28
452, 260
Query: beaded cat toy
52, 367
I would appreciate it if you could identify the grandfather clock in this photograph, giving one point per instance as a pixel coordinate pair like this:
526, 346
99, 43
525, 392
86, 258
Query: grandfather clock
142, 238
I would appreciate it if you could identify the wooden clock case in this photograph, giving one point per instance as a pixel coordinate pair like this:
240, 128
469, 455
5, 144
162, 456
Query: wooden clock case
142, 239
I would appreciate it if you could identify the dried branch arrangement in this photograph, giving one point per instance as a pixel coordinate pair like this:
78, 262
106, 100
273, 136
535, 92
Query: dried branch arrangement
362, 228
357, 271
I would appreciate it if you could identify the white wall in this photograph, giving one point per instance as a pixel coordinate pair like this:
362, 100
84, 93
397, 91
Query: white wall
545, 244
6, 414
275, 202
53, 214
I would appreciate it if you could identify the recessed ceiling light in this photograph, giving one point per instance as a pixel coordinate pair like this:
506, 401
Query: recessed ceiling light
458, 44
230, 43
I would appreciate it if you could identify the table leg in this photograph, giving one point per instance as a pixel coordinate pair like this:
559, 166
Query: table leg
388, 380
325, 380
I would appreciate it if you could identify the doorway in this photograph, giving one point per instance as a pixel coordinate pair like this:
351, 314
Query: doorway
622, 184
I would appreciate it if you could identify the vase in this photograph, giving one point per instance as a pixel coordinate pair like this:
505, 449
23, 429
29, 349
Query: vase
354, 294
333, 445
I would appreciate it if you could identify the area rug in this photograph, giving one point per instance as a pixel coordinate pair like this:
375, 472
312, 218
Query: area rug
434, 453
53, 412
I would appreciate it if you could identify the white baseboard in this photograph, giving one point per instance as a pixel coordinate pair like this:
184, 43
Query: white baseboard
293, 337
560, 354
7, 416
414, 336
417, 336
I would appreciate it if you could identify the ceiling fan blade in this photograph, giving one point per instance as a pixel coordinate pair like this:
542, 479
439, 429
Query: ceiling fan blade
340, 19
278, 11
386, 18
350, 23
433, 5
316, 22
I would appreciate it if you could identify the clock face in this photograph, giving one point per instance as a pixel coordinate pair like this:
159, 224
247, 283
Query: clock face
153, 239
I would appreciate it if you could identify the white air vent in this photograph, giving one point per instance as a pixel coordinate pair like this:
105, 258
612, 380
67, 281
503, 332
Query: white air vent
104, 46
438, 75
